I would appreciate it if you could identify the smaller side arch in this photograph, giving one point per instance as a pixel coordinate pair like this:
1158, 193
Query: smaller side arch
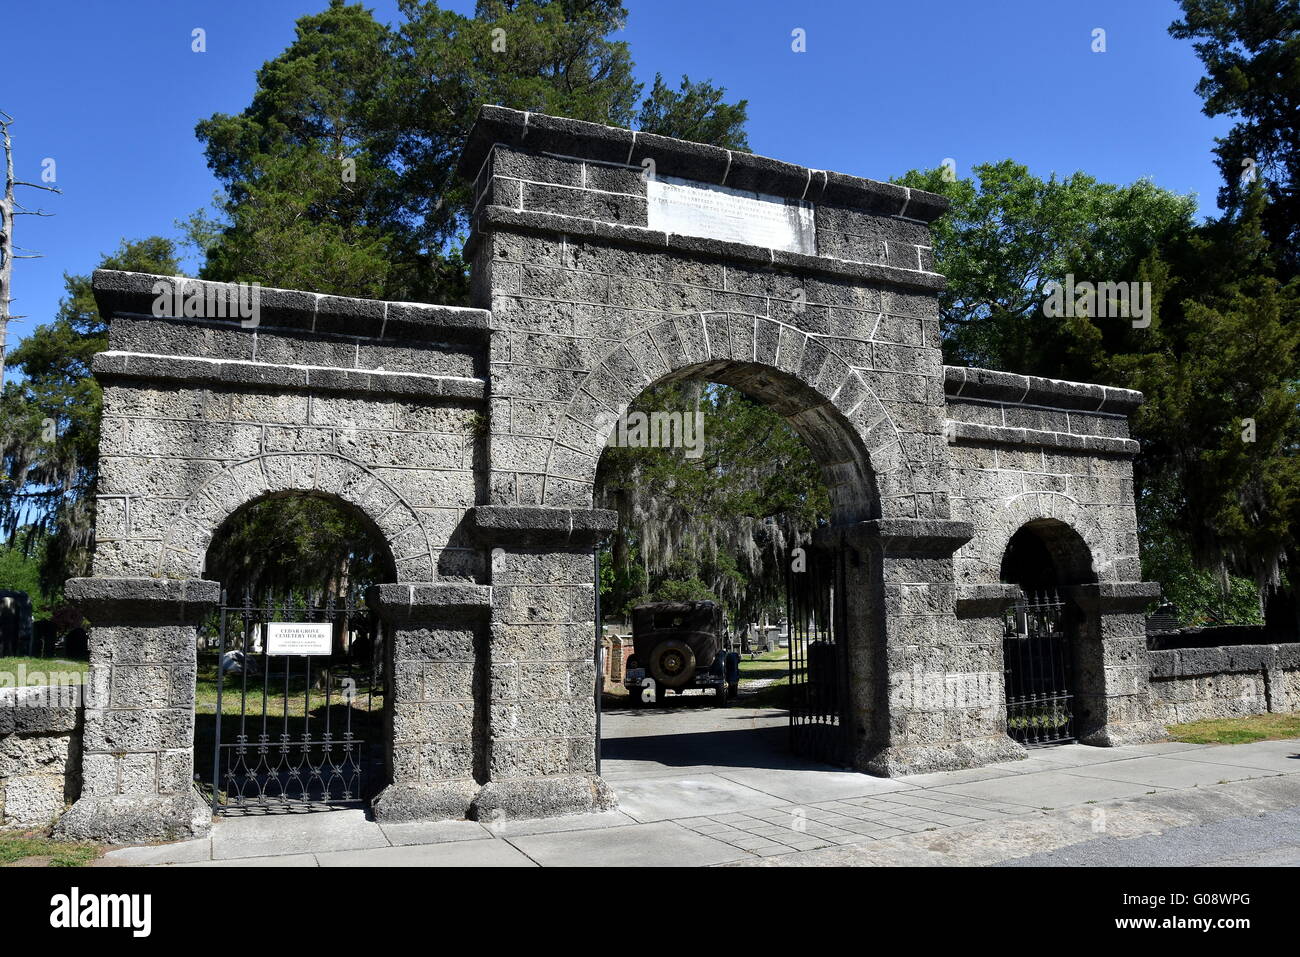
979, 561
184, 550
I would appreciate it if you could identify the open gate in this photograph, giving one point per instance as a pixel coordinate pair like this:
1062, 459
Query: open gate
817, 621
299, 699
1037, 668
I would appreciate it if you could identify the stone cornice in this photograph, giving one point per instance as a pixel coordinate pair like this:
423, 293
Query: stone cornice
114, 365
1113, 596
131, 295
1223, 659
144, 601
961, 382
959, 433
540, 133
985, 600
530, 525
900, 535
415, 602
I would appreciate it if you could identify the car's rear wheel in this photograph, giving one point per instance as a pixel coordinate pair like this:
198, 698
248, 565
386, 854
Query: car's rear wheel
671, 663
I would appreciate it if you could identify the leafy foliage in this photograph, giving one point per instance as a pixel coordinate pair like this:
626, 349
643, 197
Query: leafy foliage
392, 108
1220, 425
696, 112
20, 569
297, 546
1009, 233
1221, 349
720, 525
1251, 53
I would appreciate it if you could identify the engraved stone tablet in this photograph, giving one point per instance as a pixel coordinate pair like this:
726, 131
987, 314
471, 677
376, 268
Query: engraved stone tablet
734, 215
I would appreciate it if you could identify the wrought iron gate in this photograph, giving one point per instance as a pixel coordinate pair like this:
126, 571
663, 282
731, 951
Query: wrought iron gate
291, 732
816, 617
1037, 668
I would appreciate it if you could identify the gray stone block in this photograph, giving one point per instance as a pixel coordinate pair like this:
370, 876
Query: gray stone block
449, 800
542, 797
136, 819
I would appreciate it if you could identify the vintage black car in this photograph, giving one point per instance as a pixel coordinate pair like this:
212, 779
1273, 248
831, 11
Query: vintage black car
679, 645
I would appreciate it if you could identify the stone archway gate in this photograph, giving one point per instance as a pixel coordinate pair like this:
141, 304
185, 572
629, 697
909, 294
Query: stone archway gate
603, 261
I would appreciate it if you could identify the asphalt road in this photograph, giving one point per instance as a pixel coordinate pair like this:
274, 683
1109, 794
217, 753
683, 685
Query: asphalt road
1265, 839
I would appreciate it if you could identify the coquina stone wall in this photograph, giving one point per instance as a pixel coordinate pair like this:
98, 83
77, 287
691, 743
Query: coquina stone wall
591, 306
470, 439
1231, 681
39, 754
1056, 457
378, 406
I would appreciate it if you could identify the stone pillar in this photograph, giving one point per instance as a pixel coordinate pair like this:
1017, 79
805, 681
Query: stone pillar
433, 715
927, 688
1112, 671
541, 662
981, 611
138, 745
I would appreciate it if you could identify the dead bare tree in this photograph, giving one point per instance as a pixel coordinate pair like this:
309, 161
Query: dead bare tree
9, 209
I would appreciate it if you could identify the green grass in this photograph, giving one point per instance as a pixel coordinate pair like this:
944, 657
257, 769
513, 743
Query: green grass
1259, 727
19, 845
37, 671
772, 665
301, 699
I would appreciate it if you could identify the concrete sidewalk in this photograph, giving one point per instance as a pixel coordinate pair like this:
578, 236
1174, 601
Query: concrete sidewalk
702, 786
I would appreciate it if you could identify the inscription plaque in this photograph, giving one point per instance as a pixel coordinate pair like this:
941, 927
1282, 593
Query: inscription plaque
732, 215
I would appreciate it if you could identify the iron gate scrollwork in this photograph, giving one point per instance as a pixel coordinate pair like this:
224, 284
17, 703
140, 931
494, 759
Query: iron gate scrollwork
291, 732
816, 617
1037, 668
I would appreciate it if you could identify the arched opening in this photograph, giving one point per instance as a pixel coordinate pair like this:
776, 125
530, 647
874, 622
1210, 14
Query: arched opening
725, 522
292, 677
1044, 648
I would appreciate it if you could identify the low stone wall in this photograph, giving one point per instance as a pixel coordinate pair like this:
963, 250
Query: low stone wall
1209, 636
40, 754
1228, 681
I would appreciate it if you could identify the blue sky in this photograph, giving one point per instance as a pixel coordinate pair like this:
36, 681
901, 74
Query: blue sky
111, 91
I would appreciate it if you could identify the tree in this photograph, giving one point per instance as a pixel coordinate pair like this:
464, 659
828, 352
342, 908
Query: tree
719, 525
10, 208
49, 422
696, 112
300, 547
1221, 422
312, 196
1219, 349
1250, 49
391, 109
1011, 233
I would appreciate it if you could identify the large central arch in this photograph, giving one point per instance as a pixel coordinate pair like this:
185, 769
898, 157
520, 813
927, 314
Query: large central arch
826, 402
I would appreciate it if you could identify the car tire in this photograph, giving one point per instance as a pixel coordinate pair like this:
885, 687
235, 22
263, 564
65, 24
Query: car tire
721, 695
671, 663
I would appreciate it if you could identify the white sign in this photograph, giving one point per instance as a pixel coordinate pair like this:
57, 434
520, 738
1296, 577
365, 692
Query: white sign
299, 638
733, 215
